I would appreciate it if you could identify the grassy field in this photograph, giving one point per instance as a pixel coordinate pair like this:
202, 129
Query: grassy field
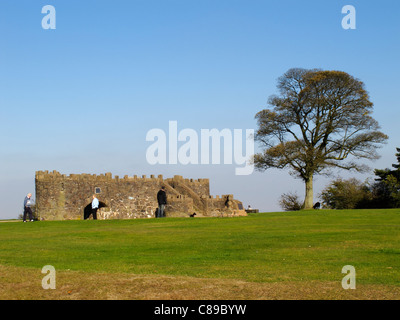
296, 255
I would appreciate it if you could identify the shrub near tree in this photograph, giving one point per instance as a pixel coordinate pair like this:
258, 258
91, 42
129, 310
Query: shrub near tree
346, 194
353, 194
387, 186
290, 202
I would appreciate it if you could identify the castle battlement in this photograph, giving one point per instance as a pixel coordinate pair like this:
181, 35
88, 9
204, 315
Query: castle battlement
177, 178
43, 175
46, 175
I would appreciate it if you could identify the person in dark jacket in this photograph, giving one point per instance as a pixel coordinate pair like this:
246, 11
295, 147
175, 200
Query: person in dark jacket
162, 201
28, 202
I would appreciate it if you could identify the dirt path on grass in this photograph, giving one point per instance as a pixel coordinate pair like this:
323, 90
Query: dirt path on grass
25, 284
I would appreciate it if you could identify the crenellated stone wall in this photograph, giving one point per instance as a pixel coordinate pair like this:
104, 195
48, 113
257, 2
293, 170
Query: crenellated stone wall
62, 197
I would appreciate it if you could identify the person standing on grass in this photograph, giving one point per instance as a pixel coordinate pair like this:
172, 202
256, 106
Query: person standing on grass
28, 202
162, 201
95, 207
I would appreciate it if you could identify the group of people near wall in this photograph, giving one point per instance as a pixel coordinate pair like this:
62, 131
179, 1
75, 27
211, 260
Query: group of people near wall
160, 212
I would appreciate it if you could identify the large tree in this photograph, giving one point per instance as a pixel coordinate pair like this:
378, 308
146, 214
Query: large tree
318, 120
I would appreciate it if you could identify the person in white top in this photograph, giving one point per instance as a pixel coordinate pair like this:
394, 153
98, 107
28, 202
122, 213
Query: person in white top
95, 207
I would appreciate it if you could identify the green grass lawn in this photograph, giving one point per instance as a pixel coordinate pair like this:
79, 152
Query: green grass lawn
266, 247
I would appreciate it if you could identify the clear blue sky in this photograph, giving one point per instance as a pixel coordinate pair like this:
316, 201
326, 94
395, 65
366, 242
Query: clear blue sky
82, 97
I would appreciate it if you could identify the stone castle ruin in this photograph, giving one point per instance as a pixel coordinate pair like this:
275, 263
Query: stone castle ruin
62, 197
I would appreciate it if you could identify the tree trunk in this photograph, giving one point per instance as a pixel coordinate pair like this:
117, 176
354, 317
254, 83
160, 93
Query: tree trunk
309, 200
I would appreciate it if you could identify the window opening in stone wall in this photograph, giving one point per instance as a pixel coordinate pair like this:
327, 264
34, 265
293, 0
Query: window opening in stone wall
97, 190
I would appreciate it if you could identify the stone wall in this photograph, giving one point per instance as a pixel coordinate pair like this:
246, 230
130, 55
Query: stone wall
62, 197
